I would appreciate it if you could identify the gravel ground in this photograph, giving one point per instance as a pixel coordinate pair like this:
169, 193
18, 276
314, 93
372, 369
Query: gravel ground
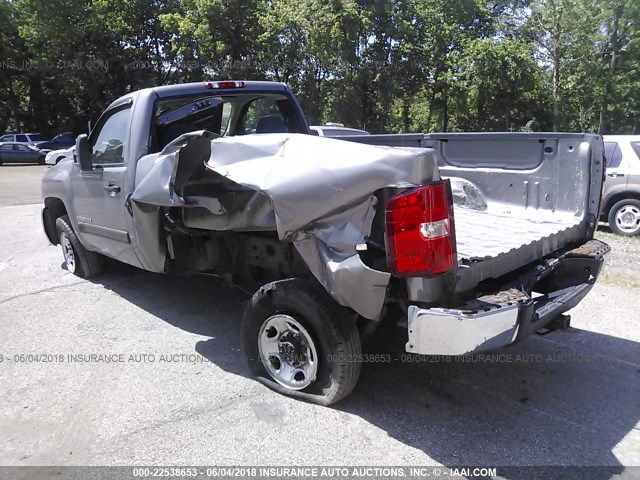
566, 398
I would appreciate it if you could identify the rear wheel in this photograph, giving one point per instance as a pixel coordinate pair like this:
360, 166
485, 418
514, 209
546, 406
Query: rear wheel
298, 341
79, 260
624, 217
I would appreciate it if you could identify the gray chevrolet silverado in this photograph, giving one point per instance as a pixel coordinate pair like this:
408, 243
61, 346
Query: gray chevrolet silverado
470, 241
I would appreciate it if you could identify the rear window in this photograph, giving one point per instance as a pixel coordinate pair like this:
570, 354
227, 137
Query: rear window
612, 154
262, 115
6, 138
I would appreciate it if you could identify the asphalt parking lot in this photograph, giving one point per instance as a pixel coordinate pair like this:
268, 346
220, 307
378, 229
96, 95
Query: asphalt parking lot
175, 389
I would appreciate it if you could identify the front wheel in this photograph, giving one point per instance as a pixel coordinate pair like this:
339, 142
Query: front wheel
624, 217
79, 260
298, 341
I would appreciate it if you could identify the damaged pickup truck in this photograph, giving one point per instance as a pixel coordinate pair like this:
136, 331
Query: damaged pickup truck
470, 241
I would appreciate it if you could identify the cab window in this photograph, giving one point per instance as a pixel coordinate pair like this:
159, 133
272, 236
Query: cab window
110, 138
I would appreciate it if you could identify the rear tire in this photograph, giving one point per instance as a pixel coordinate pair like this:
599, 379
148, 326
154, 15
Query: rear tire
79, 260
624, 217
300, 342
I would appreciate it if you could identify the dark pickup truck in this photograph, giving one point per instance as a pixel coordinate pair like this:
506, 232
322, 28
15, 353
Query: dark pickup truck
471, 241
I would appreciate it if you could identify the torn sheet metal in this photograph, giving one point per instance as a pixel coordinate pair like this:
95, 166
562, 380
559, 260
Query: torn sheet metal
320, 190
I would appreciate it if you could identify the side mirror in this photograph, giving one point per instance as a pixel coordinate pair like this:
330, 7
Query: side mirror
83, 153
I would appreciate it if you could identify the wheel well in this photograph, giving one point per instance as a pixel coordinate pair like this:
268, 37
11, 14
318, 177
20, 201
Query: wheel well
615, 198
53, 209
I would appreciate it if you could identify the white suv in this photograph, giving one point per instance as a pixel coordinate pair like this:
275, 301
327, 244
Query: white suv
29, 138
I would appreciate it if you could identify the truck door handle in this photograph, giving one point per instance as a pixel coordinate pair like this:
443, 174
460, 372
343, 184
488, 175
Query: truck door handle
615, 174
112, 189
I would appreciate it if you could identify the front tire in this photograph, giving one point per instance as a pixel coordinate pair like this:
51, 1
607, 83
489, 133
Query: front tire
298, 341
624, 217
79, 260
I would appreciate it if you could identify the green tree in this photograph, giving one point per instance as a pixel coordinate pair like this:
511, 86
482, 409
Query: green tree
500, 84
383, 65
567, 34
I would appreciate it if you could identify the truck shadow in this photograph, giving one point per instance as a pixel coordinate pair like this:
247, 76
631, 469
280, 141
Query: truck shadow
563, 399
566, 398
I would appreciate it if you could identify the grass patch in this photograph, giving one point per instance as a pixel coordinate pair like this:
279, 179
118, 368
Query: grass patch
614, 278
613, 238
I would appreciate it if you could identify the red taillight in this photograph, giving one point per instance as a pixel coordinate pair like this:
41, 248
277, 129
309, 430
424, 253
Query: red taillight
420, 231
225, 84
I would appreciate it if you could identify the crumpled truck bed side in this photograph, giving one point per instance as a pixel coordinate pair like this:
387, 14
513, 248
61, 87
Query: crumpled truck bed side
320, 190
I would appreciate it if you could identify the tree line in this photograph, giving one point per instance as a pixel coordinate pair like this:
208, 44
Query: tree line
385, 66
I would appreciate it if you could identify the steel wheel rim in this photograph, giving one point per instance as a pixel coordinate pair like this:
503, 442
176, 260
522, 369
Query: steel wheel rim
288, 352
67, 252
628, 218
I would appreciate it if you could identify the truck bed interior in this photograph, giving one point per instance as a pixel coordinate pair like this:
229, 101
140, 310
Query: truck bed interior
481, 235
492, 244
516, 199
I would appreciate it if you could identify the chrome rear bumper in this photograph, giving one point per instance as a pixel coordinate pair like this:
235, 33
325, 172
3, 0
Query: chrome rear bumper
493, 321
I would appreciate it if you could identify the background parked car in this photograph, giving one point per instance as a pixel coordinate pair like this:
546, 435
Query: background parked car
14, 152
336, 130
56, 156
28, 138
60, 141
621, 192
